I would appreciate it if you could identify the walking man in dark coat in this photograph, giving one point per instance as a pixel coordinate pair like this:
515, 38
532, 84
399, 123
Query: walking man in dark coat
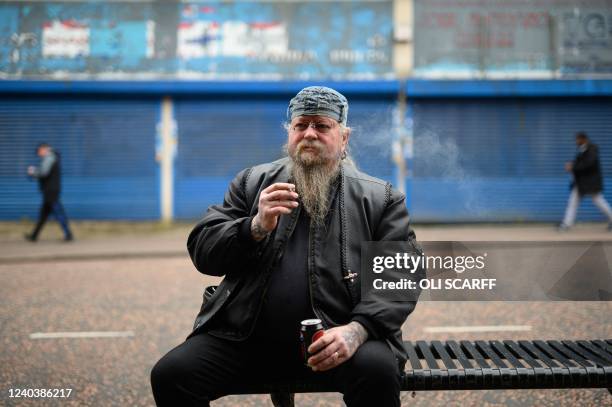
587, 181
48, 174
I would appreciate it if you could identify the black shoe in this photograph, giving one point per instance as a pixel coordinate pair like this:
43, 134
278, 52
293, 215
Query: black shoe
563, 228
68, 238
29, 237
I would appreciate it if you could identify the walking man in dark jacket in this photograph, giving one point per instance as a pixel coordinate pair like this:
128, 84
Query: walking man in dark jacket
586, 171
48, 174
288, 240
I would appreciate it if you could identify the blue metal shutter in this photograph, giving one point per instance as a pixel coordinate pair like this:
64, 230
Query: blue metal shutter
218, 137
107, 149
502, 159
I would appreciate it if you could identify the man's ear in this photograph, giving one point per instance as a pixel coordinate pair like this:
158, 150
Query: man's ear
346, 136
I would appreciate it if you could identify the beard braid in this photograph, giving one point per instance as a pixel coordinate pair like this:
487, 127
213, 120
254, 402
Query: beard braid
313, 183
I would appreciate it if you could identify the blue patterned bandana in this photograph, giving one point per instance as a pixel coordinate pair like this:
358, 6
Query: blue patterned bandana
319, 101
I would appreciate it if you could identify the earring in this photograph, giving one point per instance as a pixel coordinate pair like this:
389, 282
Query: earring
343, 154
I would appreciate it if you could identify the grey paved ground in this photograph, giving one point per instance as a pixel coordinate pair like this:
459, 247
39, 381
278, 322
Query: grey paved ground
138, 278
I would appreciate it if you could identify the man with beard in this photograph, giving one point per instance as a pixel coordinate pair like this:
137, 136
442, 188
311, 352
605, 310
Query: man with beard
288, 240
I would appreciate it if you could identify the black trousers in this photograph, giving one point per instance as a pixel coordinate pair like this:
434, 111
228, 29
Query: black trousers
47, 208
203, 368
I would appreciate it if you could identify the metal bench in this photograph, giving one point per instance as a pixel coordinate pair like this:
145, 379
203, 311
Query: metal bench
481, 365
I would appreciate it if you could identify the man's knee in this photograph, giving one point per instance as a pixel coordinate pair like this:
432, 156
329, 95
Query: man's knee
172, 382
165, 373
175, 369
371, 377
195, 372
375, 362
373, 367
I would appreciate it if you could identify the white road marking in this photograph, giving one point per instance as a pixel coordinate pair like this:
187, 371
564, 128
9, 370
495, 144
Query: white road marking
477, 328
90, 334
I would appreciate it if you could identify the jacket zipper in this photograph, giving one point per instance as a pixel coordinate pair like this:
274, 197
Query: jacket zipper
311, 275
310, 269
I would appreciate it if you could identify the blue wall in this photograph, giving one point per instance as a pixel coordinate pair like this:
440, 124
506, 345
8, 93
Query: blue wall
107, 149
481, 159
106, 133
483, 150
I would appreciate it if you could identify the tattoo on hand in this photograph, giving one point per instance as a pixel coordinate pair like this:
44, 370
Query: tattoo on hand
257, 231
355, 336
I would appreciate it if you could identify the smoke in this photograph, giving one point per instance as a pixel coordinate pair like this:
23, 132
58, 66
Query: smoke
438, 159
372, 134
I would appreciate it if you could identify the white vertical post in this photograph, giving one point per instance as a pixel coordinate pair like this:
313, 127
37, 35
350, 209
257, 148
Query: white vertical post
403, 44
403, 66
400, 142
166, 160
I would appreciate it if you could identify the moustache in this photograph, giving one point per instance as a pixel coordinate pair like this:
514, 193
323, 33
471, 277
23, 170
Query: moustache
313, 145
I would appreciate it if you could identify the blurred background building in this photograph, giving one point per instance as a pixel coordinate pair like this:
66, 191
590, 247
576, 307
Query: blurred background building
470, 106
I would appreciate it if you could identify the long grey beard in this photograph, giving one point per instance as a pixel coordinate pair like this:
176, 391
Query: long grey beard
313, 183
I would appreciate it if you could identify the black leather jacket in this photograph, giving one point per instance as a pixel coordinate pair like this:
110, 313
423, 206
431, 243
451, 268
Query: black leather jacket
363, 208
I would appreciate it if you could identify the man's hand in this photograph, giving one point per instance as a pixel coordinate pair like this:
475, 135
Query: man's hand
31, 170
277, 199
569, 166
336, 346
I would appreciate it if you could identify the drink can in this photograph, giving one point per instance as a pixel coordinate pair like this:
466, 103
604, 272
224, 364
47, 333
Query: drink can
310, 331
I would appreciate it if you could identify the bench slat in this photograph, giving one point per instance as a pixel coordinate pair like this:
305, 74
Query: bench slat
429, 357
593, 372
490, 375
471, 350
586, 354
517, 351
507, 376
484, 347
414, 359
542, 376
459, 355
570, 354
524, 375
543, 346
603, 345
529, 347
454, 376
607, 357
496, 345
576, 372
473, 374
446, 359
